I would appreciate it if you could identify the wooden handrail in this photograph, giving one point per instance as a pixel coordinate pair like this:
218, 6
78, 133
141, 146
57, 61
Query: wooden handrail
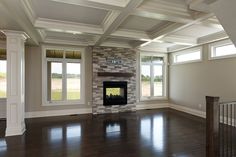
212, 126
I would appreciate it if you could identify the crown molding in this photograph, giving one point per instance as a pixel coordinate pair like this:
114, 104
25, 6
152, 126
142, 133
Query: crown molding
112, 16
91, 4
28, 9
63, 26
66, 42
42, 34
116, 44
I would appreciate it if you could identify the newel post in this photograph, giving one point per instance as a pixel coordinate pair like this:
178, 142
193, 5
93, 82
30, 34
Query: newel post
212, 126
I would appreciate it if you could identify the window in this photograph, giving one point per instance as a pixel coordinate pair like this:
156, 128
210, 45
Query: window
186, 56
62, 70
3, 73
153, 70
222, 49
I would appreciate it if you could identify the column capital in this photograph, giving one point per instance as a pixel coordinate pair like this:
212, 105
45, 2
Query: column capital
17, 34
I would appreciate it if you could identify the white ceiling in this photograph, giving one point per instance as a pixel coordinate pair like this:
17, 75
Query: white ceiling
153, 25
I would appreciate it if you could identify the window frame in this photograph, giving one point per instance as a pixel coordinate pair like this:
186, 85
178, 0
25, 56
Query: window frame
63, 60
212, 47
4, 99
164, 72
187, 51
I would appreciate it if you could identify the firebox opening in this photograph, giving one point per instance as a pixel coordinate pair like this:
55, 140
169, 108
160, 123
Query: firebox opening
114, 93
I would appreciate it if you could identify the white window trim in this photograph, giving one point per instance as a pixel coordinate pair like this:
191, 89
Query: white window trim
165, 77
45, 102
212, 46
175, 54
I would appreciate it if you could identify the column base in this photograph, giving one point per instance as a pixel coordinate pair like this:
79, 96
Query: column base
14, 131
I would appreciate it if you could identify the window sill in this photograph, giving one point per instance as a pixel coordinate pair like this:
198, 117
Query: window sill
63, 103
153, 99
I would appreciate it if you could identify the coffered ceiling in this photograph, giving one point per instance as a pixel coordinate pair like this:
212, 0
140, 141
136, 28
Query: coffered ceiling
151, 25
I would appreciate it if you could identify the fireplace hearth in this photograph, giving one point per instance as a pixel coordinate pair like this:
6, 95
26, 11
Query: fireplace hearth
114, 93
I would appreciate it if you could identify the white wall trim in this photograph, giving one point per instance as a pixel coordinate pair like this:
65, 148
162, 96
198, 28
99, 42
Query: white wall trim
152, 106
37, 114
188, 110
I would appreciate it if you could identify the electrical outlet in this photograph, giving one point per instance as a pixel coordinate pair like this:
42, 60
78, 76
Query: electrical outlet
89, 103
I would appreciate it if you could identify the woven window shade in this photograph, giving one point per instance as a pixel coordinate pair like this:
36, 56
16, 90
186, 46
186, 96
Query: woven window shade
54, 53
3, 54
73, 55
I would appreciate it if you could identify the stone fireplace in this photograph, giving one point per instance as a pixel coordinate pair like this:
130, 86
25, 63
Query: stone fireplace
114, 80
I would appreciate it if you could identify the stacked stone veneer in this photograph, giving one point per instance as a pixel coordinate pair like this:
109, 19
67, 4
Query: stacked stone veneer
100, 64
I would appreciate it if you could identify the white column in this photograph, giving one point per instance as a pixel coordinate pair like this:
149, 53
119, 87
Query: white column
15, 82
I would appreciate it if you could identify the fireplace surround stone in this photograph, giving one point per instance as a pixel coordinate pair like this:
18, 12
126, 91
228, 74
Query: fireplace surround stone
103, 63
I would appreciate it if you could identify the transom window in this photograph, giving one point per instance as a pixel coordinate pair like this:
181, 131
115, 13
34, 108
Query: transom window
3, 73
63, 76
222, 49
186, 56
152, 72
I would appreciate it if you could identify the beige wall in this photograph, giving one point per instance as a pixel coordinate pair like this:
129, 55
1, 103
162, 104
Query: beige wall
190, 83
33, 84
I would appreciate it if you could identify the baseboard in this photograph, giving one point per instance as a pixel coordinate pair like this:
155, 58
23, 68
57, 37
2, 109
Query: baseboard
188, 110
151, 106
38, 114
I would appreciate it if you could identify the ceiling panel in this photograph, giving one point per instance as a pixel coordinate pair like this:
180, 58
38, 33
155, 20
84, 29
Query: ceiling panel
70, 36
139, 23
68, 12
7, 22
198, 31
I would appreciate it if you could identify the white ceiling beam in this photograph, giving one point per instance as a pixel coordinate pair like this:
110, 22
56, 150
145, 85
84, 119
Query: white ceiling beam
131, 34
213, 37
199, 5
177, 48
28, 9
66, 42
160, 33
172, 28
162, 16
118, 19
13, 9
180, 40
121, 3
200, 41
91, 4
63, 26
116, 44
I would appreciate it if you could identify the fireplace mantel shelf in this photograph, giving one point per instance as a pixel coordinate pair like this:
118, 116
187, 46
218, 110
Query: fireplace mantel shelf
115, 74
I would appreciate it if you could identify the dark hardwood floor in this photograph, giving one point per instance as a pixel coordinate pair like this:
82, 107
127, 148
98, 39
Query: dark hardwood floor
148, 133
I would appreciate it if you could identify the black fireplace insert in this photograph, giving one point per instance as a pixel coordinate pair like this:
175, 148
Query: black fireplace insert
114, 93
